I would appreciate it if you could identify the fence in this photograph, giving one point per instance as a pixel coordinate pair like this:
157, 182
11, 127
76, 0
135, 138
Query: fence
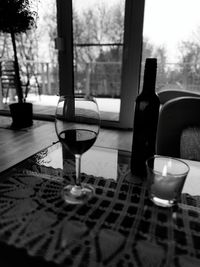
103, 79
39, 77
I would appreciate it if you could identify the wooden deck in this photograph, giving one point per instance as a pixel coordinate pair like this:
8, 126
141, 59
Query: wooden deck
41, 107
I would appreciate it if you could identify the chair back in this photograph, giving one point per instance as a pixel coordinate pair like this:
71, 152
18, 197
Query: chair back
169, 94
175, 117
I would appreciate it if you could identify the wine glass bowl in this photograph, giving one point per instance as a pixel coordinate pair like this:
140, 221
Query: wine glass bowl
77, 124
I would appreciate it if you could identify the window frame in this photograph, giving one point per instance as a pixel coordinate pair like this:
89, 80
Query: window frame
131, 61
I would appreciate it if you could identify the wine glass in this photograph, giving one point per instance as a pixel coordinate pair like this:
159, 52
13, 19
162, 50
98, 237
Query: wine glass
77, 124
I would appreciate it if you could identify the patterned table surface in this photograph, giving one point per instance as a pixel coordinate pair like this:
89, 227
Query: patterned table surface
119, 226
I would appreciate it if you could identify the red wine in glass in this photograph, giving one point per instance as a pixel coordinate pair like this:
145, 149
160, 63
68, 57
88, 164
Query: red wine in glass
78, 141
77, 124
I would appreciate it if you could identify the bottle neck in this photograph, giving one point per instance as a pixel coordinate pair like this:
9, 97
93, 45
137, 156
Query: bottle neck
148, 88
149, 79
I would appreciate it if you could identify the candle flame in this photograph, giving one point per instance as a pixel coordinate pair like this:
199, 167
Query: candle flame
169, 164
164, 171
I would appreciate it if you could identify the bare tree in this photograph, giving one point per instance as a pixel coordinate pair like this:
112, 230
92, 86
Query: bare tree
160, 54
96, 28
190, 64
28, 54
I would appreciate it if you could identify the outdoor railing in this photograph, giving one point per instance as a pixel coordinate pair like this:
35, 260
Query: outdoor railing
103, 79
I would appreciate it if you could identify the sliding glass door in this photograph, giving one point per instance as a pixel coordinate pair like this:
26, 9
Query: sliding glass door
98, 35
99, 46
88, 46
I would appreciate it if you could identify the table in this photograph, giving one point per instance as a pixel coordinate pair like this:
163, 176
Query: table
119, 226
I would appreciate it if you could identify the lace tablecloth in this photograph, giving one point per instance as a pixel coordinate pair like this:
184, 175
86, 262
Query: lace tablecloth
119, 226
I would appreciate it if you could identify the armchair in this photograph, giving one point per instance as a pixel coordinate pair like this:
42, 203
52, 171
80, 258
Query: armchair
178, 132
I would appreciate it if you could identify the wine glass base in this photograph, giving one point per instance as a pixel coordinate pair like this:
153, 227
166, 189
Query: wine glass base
74, 194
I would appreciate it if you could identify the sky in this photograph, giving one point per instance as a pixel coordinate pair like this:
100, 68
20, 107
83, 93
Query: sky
167, 22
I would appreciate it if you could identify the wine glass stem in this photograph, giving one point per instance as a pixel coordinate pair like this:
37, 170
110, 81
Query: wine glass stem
78, 170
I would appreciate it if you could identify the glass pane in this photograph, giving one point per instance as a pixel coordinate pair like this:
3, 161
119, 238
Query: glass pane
45, 99
98, 28
37, 60
172, 34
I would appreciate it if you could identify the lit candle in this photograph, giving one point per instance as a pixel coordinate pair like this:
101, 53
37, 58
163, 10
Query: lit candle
167, 178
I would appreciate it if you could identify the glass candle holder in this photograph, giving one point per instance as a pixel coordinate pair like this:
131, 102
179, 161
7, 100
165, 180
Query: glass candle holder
166, 178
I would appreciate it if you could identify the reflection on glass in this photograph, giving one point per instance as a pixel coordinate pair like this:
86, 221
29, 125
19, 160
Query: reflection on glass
97, 161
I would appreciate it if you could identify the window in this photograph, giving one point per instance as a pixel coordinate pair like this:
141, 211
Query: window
168, 34
98, 30
129, 67
38, 61
108, 64
172, 33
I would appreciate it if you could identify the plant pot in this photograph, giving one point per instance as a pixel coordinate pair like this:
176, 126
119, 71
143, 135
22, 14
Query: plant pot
22, 115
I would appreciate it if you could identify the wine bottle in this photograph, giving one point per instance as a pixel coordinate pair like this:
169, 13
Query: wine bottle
145, 120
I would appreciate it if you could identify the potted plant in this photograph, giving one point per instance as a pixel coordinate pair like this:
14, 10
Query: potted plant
16, 17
